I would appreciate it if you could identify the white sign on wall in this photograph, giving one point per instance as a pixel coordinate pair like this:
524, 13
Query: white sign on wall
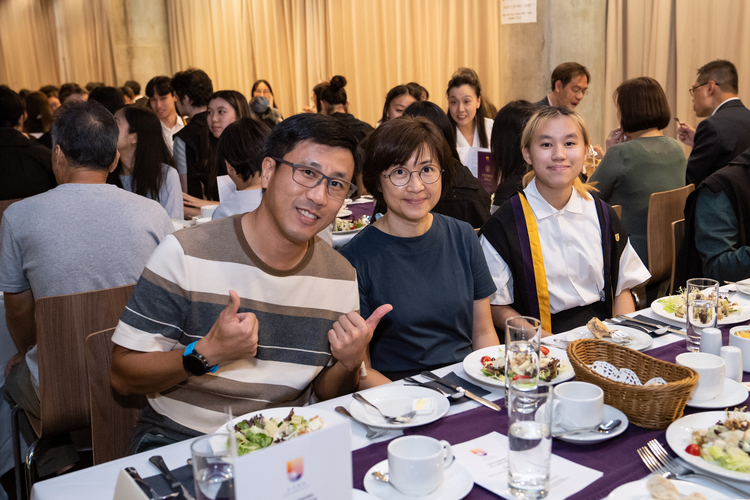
517, 11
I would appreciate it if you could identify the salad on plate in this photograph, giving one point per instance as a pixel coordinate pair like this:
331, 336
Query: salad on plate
260, 432
677, 305
726, 443
350, 225
521, 366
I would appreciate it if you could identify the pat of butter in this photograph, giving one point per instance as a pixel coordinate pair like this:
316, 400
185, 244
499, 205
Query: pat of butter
423, 406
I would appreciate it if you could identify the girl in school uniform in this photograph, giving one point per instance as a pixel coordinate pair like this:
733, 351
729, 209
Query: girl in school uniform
555, 250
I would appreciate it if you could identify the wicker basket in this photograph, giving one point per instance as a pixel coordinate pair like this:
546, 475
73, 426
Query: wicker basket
653, 406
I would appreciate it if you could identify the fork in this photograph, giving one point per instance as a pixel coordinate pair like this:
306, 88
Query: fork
371, 433
659, 462
402, 419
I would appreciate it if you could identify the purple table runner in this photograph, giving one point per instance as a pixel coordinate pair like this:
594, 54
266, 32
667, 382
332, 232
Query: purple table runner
616, 458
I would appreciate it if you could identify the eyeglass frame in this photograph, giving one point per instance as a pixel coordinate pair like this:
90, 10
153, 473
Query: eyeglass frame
419, 174
581, 91
693, 89
323, 177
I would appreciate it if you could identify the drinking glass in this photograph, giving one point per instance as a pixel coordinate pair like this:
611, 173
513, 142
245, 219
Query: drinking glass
702, 299
213, 467
523, 336
530, 414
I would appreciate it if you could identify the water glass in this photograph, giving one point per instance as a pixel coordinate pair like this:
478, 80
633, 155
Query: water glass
702, 298
529, 441
212, 467
523, 335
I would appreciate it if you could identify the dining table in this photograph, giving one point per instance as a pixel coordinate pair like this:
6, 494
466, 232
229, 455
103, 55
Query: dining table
615, 458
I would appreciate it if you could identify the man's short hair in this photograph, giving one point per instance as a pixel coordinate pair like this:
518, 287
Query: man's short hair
723, 73
127, 92
50, 90
94, 85
110, 97
643, 105
68, 89
241, 145
12, 107
195, 84
86, 133
133, 85
565, 72
314, 127
161, 85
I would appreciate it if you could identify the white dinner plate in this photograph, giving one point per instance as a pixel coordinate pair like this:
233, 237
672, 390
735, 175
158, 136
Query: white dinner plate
307, 412
734, 393
609, 413
642, 339
736, 317
473, 365
361, 495
743, 287
344, 212
456, 484
678, 437
350, 231
637, 490
394, 401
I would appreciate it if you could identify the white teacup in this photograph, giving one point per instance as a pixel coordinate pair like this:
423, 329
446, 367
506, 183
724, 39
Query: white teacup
710, 370
578, 405
743, 343
208, 211
416, 464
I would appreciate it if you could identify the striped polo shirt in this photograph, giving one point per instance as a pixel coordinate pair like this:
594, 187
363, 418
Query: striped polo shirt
184, 288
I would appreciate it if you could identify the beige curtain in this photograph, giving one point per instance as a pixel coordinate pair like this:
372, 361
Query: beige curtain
28, 48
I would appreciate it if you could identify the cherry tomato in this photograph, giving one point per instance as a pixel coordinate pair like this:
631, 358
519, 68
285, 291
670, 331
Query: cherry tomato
545, 350
693, 449
519, 377
485, 360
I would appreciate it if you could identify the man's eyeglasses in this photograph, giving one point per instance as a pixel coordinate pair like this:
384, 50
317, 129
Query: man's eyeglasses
579, 90
693, 89
428, 174
311, 177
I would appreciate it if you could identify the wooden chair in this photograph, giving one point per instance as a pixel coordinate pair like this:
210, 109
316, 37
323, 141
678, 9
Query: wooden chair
663, 209
5, 204
62, 324
618, 210
113, 415
678, 237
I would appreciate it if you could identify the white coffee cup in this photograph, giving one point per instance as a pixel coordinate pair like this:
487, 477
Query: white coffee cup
710, 369
743, 344
208, 211
578, 405
416, 464
732, 357
711, 341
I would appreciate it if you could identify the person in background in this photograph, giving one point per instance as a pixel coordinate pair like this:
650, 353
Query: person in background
429, 267
38, 116
241, 149
93, 85
193, 89
640, 160
488, 108
555, 251
146, 167
261, 110
415, 88
397, 100
505, 144
26, 165
261, 88
723, 135
162, 100
51, 92
334, 103
127, 94
110, 97
138, 98
570, 84
466, 115
72, 92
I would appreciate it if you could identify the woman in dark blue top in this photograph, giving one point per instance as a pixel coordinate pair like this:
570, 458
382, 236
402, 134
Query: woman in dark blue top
429, 267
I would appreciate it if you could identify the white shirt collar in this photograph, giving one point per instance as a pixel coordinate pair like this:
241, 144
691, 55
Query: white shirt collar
542, 209
720, 105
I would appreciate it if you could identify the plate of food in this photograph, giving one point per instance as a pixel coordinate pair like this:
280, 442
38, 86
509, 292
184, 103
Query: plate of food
714, 441
674, 308
264, 428
743, 287
596, 329
488, 366
398, 401
343, 226
656, 486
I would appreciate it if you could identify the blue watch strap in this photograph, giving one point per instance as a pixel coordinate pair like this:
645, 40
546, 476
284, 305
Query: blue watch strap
189, 350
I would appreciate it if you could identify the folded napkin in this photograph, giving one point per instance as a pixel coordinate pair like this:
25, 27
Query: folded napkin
183, 474
454, 379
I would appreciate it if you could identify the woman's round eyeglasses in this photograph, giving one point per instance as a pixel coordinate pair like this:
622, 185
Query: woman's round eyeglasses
429, 174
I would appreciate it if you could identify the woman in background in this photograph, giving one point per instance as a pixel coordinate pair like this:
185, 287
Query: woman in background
334, 102
397, 100
263, 88
466, 114
505, 143
146, 167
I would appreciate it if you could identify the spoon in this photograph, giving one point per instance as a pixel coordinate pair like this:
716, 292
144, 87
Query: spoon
604, 428
403, 419
455, 395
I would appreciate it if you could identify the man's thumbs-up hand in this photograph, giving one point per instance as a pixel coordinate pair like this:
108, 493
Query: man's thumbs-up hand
233, 336
351, 335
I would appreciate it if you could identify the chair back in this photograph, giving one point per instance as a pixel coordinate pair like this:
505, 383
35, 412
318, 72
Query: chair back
678, 238
113, 416
62, 324
663, 209
5, 204
618, 210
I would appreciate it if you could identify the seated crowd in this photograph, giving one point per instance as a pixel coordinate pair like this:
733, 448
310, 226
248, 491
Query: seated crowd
256, 309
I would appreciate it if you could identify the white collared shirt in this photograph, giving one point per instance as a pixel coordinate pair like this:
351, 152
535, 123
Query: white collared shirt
720, 105
168, 133
571, 242
462, 145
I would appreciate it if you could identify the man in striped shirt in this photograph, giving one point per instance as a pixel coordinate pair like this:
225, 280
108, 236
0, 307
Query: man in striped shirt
289, 326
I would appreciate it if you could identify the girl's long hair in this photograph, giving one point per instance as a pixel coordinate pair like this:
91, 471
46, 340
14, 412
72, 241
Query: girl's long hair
466, 79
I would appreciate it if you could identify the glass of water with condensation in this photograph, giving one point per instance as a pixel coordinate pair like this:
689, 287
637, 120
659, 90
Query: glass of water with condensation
530, 414
702, 299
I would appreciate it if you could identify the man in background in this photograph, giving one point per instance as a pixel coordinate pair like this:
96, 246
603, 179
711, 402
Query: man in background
570, 84
162, 100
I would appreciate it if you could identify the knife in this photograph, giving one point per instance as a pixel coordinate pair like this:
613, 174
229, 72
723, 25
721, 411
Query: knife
176, 485
652, 325
471, 395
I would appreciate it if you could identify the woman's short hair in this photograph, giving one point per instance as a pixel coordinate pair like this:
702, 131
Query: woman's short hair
255, 86
236, 100
398, 91
241, 145
643, 105
506, 138
335, 94
395, 142
466, 78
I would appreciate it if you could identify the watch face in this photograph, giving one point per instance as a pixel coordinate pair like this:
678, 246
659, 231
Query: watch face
194, 364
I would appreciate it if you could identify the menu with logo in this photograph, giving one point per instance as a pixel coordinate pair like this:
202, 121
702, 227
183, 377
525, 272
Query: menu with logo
479, 161
486, 458
316, 466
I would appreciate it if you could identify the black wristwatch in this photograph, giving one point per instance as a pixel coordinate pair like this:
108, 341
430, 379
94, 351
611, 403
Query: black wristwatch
194, 363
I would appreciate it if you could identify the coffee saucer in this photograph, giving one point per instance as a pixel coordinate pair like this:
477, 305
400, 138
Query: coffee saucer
734, 393
591, 437
456, 484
